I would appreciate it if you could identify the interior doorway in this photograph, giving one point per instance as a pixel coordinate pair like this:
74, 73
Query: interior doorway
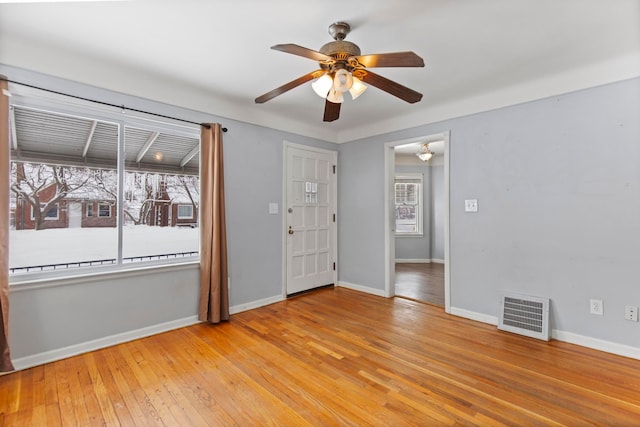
417, 219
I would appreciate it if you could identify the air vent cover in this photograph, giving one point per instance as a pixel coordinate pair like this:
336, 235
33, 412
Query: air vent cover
525, 315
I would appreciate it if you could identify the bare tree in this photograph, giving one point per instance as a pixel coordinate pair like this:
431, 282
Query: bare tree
30, 180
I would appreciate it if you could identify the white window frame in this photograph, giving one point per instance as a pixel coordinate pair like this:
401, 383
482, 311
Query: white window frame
108, 210
89, 210
106, 115
47, 218
185, 205
417, 179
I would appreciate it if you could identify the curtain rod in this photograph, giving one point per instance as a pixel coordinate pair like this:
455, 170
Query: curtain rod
109, 104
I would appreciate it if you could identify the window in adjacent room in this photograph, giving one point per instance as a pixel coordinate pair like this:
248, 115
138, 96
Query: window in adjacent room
408, 197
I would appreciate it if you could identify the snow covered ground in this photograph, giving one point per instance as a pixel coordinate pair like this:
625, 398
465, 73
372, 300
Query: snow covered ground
68, 245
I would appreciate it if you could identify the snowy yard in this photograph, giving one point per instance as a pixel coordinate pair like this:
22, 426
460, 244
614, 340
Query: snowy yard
69, 245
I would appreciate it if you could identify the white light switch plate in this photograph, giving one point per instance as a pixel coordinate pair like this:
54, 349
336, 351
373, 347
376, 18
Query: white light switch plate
631, 313
471, 205
273, 208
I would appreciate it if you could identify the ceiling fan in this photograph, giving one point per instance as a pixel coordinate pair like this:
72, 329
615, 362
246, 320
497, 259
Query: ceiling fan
344, 69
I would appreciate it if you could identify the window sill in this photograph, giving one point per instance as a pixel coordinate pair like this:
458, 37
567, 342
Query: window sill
409, 235
35, 281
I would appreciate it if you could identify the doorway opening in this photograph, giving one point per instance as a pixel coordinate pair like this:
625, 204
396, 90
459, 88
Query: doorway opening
417, 220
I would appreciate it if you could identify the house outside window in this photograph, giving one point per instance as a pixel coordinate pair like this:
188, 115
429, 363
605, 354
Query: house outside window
408, 204
89, 209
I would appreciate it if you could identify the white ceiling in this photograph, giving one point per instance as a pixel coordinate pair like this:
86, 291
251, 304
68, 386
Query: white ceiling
216, 57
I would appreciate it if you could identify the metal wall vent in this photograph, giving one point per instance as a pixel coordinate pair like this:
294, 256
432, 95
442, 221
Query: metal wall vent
525, 315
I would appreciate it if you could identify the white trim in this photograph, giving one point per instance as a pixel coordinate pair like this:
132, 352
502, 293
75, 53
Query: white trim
596, 344
334, 188
360, 288
73, 350
447, 212
389, 220
30, 282
255, 304
472, 315
568, 337
389, 234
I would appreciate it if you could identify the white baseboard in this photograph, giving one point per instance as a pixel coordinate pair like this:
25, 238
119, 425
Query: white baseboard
568, 337
365, 289
255, 304
484, 318
596, 344
73, 350
420, 261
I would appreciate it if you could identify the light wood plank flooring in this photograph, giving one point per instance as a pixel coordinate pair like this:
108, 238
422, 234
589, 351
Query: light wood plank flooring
421, 282
330, 357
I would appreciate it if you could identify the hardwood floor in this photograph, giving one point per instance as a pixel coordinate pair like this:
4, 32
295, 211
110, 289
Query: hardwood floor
421, 282
331, 357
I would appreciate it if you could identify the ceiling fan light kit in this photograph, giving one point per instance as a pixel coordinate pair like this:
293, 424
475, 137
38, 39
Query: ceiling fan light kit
424, 153
344, 69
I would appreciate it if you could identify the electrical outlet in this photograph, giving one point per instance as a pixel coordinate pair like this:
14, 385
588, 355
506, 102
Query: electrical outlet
595, 307
631, 313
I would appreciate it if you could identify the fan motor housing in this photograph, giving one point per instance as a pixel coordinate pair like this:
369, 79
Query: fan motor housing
338, 47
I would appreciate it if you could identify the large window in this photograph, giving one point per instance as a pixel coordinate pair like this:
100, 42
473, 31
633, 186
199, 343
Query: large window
136, 179
408, 197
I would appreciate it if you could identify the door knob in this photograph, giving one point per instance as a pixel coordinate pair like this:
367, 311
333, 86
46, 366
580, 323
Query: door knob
290, 230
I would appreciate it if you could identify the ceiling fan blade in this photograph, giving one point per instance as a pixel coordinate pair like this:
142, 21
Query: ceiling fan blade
394, 59
331, 111
389, 86
288, 86
294, 49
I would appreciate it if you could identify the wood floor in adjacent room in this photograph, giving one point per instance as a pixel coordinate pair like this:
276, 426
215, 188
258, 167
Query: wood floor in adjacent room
330, 357
421, 282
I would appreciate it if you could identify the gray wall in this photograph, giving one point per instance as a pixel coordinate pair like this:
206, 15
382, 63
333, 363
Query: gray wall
73, 312
437, 212
253, 158
558, 185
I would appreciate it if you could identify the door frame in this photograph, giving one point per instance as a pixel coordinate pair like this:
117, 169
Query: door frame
334, 201
389, 231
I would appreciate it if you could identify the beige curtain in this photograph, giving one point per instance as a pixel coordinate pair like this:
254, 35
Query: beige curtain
5, 158
214, 291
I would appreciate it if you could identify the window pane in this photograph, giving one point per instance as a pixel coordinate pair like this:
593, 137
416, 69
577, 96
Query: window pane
406, 219
57, 235
185, 212
104, 210
408, 205
55, 159
162, 195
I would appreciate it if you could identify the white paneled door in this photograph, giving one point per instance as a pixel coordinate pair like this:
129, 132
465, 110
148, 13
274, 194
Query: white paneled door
310, 218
